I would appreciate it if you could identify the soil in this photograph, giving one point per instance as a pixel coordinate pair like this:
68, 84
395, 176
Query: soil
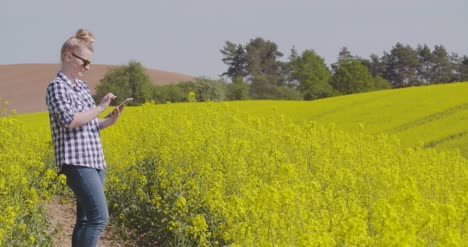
61, 214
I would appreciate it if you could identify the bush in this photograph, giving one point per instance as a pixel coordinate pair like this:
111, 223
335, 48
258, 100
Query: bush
237, 90
125, 82
172, 93
381, 84
209, 90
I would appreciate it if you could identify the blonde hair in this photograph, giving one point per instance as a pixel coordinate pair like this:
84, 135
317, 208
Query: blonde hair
82, 38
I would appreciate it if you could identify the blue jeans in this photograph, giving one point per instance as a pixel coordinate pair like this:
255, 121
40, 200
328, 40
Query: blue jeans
91, 207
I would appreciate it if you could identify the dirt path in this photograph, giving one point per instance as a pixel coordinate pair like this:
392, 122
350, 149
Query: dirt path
61, 213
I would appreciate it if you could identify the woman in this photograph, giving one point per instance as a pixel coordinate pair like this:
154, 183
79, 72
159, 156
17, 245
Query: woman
75, 131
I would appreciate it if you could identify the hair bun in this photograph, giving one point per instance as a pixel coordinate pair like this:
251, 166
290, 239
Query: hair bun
85, 36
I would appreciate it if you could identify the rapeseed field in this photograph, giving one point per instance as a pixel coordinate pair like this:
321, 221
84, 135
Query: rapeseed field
378, 169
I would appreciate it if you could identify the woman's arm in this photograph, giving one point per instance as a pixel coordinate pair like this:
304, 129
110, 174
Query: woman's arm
81, 118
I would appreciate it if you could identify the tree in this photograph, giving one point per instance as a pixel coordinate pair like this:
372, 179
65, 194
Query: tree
343, 56
262, 61
374, 65
426, 64
442, 68
125, 82
352, 77
464, 69
401, 65
115, 81
236, 58
290, 81
455, 62
312, 74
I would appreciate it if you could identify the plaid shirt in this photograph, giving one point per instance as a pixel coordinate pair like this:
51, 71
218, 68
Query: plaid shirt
80, 146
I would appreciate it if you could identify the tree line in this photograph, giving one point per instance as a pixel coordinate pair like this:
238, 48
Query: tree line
132, 81
255, 71
257, 63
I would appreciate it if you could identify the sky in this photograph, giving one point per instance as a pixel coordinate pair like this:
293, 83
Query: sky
186, 36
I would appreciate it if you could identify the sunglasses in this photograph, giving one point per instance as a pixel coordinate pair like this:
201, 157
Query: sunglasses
86, 62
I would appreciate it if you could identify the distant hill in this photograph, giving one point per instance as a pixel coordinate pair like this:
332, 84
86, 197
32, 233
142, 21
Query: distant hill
24, 85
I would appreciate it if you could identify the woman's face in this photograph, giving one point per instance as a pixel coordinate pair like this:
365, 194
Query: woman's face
79, 60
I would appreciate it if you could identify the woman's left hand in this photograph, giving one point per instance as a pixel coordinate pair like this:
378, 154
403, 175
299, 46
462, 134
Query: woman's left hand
115, 114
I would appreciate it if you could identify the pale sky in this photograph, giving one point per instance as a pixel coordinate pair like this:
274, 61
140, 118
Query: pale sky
186, 36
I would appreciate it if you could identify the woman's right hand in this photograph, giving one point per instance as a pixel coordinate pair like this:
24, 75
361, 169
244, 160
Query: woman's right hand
105, 101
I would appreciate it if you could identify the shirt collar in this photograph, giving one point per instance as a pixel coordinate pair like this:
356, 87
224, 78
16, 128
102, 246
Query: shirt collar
77, 85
